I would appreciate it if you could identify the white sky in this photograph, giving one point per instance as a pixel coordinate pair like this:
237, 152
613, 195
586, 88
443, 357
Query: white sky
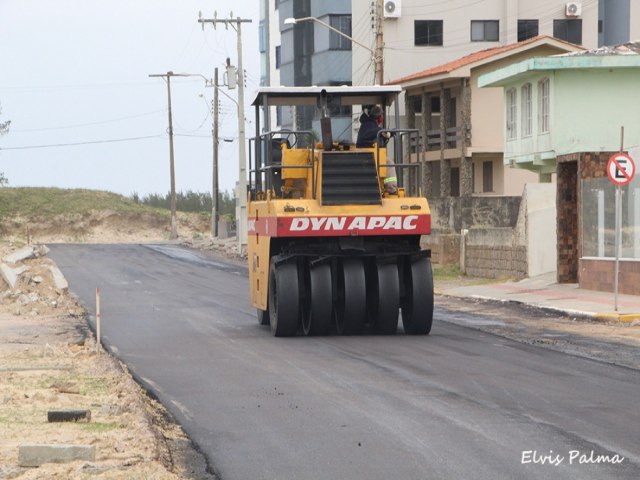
74, 71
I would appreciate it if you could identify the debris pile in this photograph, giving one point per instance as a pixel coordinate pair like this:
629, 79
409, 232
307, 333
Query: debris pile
32, 284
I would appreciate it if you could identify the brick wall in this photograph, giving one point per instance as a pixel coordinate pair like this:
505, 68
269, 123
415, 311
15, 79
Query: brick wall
567, 227
598, 275
496, 261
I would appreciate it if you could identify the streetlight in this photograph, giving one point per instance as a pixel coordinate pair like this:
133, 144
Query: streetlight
375, 54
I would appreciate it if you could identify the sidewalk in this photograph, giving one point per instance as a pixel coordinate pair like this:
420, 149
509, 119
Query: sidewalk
544, 292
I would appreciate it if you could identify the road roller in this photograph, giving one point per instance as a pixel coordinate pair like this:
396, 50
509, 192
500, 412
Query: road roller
330, 252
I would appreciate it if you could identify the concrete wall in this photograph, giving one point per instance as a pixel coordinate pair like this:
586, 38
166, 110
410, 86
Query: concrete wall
539, 201
590, 106
504, 237
492, 253
455, 213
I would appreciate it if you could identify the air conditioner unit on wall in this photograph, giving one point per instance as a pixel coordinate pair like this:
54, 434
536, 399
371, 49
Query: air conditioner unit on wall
573, 9
392, 8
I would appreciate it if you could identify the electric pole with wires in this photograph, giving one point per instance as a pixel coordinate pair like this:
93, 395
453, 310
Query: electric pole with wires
241, 216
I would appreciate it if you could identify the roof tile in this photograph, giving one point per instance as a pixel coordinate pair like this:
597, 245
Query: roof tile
468, 59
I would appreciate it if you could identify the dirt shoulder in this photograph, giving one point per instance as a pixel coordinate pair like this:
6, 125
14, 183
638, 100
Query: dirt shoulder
48, 361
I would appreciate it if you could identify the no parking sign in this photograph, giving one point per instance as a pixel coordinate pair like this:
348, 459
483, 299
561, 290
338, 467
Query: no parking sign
621, 168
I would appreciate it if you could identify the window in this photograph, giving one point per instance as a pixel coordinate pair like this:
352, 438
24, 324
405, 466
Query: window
525, 96
262, 37
342, 23
512, 112
485, 30
279, 115
455, 181
487, 176
435, 105
417, 104
527, 29
277, 4
543, 109
278, 58
569, 30
428, 32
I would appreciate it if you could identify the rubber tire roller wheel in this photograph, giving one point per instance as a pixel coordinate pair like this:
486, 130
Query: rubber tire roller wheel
417, 304
317, 319
384, 301
284, 299
351, 308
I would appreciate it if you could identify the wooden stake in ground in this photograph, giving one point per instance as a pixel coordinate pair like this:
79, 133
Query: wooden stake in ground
98, 320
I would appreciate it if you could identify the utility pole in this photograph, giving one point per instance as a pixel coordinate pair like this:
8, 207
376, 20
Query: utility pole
174, 224
241, 220
379, 53
214, 188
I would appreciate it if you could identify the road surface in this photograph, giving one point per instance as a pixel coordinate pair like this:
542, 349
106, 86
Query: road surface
458, 403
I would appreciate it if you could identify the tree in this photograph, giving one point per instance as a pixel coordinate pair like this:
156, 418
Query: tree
4, 129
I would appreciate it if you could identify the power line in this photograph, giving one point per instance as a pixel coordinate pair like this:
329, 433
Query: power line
101, 122
91, 142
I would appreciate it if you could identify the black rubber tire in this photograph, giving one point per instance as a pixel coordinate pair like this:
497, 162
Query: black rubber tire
384, 298
317, 319
417, 303
263, 316
284, 299
351, 305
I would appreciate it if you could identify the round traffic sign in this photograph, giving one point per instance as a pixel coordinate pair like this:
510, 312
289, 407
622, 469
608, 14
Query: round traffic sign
621, 168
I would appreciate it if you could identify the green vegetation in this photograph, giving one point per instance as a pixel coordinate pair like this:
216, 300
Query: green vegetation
31, 201
190, 202
446, 272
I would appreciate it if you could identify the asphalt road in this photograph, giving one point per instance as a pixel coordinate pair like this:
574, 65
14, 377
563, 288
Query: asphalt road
456, 404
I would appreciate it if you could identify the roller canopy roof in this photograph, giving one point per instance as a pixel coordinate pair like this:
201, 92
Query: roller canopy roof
345, 95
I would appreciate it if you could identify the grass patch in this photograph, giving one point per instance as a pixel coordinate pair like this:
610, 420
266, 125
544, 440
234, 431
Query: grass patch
32, 201
98, 426
446, 272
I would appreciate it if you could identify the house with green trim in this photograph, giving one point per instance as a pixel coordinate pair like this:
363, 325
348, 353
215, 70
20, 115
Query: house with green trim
563, 118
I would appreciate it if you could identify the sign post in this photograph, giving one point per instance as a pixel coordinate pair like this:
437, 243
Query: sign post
620, 169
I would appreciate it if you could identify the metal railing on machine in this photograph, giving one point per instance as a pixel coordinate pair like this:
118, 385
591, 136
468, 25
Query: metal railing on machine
264, 170
412, 183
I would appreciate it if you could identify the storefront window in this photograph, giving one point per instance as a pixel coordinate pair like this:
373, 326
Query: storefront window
599, 218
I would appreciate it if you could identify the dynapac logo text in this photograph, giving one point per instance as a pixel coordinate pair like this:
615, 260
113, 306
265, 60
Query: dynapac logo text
328, 224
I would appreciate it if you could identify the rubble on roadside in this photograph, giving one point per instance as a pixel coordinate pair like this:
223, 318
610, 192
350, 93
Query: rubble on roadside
32, 284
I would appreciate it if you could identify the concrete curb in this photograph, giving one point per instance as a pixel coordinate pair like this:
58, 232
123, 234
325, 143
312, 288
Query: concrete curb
34, 455
627, 318
617, 317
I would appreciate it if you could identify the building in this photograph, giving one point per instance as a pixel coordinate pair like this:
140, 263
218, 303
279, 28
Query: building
461, 130
307, 53
565, 113
420, 34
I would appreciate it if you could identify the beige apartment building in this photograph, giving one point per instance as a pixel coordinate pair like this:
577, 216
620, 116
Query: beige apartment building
419, 34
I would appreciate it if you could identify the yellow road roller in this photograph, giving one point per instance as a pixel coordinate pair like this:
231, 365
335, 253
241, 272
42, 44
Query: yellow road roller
329, 250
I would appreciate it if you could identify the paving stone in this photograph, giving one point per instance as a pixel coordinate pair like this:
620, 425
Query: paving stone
34, 455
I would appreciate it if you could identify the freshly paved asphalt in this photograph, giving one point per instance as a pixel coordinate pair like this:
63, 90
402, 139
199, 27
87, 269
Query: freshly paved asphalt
456, 404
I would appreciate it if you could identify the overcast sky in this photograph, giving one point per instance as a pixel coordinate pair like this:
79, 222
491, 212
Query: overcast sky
76, 72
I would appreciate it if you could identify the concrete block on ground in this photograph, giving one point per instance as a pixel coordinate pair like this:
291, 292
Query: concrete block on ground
59, 278
34, 455
19, 255
24, 253
10, 275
